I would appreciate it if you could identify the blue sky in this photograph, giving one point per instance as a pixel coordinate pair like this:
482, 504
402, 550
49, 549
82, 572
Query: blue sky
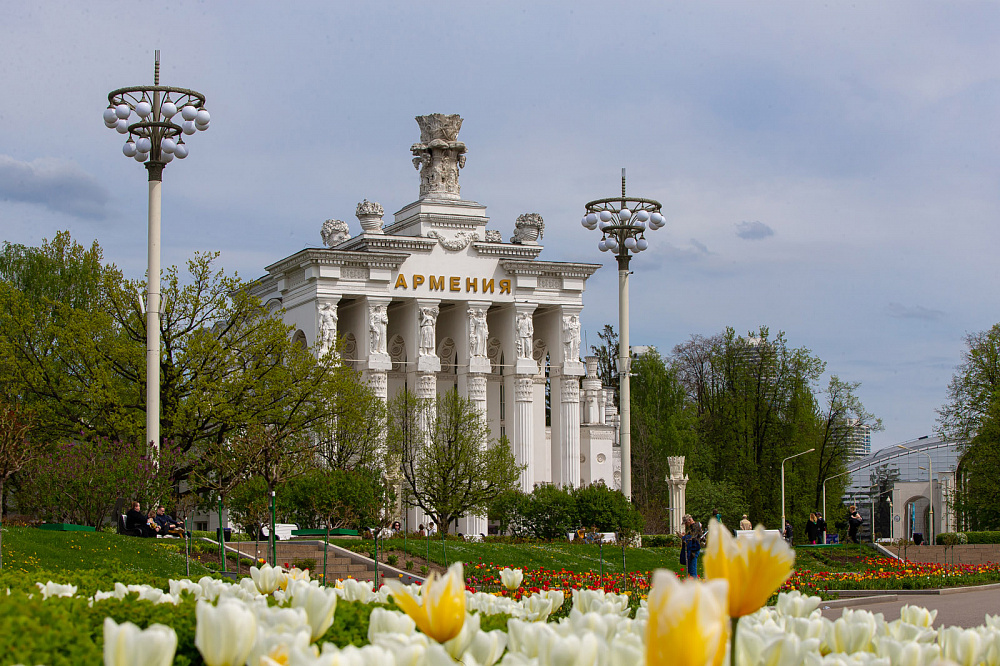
829, 171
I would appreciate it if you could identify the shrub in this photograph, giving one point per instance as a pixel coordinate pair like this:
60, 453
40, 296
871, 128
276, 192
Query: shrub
549, 513
607, 509
392, 560
424, 569
305, 563
956, 538
409, 565
660, 540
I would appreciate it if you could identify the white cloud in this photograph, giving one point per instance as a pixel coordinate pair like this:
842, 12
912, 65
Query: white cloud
755, 230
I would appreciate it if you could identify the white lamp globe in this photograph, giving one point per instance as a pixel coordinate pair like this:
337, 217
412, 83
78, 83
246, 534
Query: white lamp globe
612, 243
591, 219
624, 214
143, 109
110, 117
181, 151
168, 109
602, 245
188, 127
141, 157
630, 243
143, 145
606, 216
189, 112
602, 225
641, 244
642, 215
657, 220
122, 111
128, 150
638, 224
203, 116
167, 157
201, 127
583, 223
168, 145
121, 126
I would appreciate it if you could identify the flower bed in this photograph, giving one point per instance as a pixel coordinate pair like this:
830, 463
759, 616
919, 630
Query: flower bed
890, 574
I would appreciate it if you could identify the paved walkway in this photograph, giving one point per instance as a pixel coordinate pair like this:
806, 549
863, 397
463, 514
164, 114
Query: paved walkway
965, 608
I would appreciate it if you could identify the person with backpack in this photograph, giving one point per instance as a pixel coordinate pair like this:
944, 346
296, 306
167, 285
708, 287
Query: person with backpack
854, 521
691, 544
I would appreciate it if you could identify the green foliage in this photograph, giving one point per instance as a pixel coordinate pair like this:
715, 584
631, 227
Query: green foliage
977, 500
339, 498
974, 390
507, 508
549, 513
704, 497
393, 560
350, 624
607, 509
450, 467
953, 538
660, 540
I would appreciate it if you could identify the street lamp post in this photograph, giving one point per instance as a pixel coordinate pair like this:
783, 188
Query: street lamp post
930, 489
824, 497
783, 484
623, 221
146, 114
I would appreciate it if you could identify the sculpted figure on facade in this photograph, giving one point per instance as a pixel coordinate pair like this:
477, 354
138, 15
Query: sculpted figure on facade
327, 317
571, 337
439, 155
528, 228
428, 320
525, 330
478, 332
377, 323
334, 231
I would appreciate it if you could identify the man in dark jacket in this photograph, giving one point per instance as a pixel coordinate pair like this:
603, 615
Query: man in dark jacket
166, 522
691, 543
135, 519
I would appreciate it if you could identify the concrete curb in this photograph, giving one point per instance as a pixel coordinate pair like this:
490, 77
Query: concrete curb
869, 594
858, 601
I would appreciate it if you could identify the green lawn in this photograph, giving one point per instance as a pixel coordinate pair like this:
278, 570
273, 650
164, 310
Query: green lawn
30, 550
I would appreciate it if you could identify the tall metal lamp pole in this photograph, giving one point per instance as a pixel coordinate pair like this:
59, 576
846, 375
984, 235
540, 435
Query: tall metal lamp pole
623, 221
147, 115
782, 527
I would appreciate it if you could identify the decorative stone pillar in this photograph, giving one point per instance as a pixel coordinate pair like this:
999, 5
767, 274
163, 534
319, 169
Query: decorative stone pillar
426, 392
569, 433
677, 482
476, 387
439, 155
593, 412
524, 390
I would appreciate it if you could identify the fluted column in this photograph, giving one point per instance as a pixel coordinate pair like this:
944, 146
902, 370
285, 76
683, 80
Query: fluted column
476, 387
426, 392
569, 432
524, 389
677, 483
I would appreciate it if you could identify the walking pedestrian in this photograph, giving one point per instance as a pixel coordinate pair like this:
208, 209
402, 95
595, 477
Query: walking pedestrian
854, 521
745, 524
812, 529
691, 544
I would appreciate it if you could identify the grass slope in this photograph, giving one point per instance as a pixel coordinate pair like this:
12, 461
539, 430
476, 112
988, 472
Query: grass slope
29, 550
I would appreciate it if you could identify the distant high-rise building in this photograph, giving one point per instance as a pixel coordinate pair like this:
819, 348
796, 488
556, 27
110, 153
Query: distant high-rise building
860, 437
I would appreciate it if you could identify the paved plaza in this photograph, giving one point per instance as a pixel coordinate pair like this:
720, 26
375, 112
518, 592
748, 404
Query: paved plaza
964, 607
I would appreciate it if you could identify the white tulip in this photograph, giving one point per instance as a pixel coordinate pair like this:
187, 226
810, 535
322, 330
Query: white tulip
267, 578
511, 578
457, 646
355, 590
226, 633
796, 604
51, 589
960, 645
276, 647
917, 616
318, 602
384, 621
127, 645
487, 647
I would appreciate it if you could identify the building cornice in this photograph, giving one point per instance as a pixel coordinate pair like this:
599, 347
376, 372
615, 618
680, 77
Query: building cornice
536, 268
326, 257
507, 250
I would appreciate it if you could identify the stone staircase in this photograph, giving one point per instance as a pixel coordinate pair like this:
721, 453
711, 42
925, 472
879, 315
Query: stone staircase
340, 563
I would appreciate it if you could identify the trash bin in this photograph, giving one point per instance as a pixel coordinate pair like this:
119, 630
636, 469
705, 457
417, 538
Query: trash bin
918, 538
227, 533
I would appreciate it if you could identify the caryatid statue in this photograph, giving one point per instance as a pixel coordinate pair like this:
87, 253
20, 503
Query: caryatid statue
439, 155
377, 323
327, 316
478, 332
428, 320
571, 338
525, 331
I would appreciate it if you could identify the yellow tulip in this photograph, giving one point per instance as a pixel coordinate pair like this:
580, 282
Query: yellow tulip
440, 613
755, 566
688, 624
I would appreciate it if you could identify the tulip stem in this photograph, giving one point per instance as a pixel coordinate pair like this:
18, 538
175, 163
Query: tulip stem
732, 641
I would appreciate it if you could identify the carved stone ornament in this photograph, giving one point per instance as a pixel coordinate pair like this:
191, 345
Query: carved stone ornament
570, 390
426, 386
439, 155
493, 236
601, 458
334, 231
524, 389
477, 388
676, 465
397, 352
379, 383
459, 242
370, 213
528, 228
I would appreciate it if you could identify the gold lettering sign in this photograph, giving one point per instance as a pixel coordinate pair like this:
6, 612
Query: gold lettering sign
454, 282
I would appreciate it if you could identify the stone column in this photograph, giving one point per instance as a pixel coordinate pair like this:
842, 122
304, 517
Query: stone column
426, 391
677, 482
569, 433
476, 388
524, 391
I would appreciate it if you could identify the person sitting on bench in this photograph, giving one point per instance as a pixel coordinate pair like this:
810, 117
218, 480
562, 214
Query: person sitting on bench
135, 519
166, 522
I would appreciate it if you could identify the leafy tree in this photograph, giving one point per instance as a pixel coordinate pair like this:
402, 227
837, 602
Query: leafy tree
662, 426
450, 468
606, 509
507, 509
842, 413
977, 498
974, 388
607, 358
704, 497
334, 498
17, 450
550, 513
82, 481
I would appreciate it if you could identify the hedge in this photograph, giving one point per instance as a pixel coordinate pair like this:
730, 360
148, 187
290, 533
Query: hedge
973, 537
660, 540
